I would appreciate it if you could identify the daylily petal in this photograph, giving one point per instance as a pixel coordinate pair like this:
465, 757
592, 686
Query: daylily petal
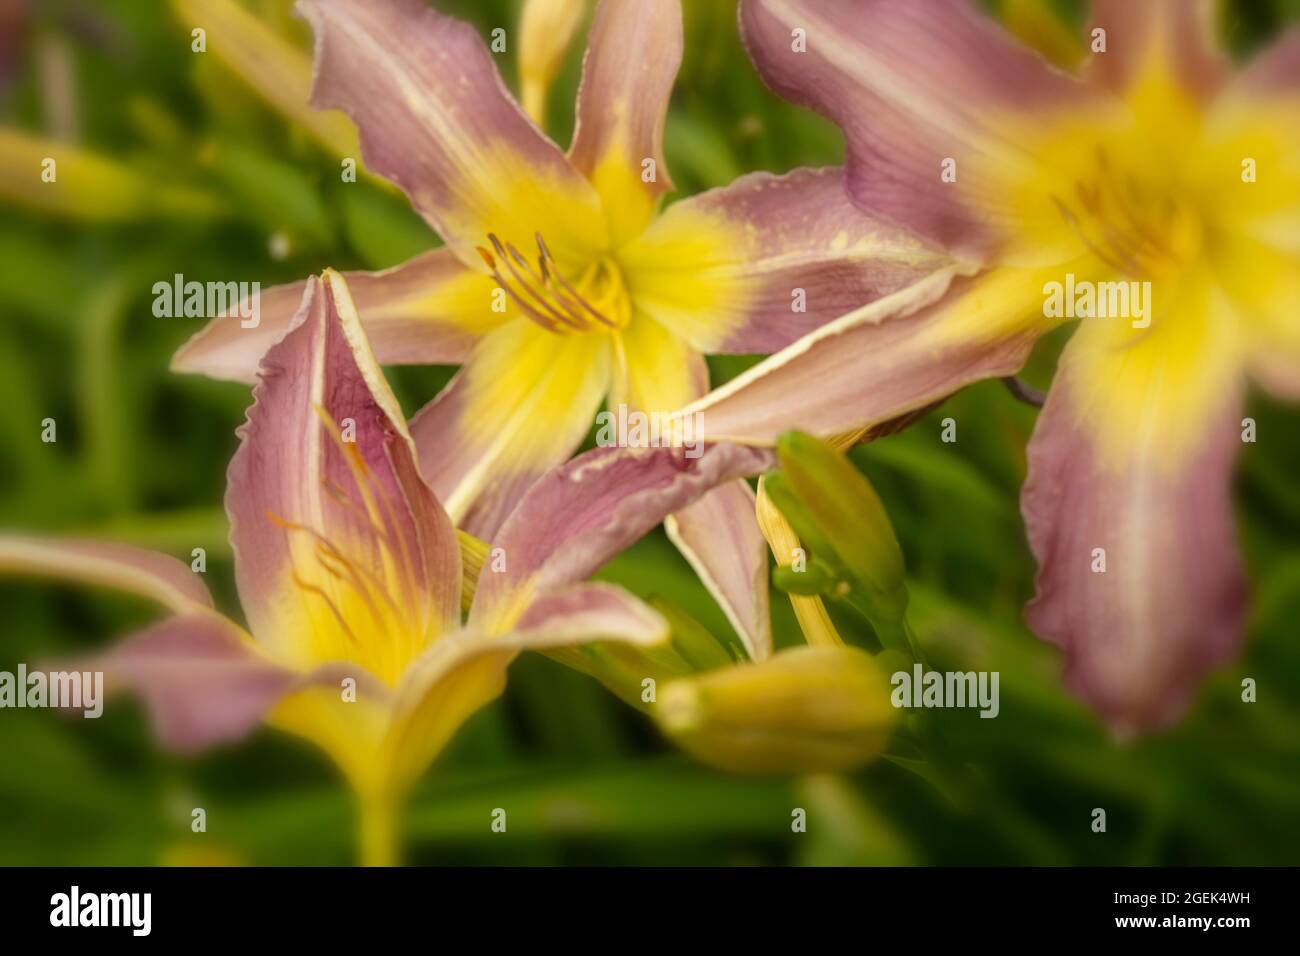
655, 371
1264, 284
719, 536
150, 574
201, 677
897, 355
342, 552
1258, 256
1128, 510
427, 311
1274, 71
436, 119
523, 402
912, 83
1168, 35
349, 729
633, 52
460, 674
583, 513
587, 612
751, 266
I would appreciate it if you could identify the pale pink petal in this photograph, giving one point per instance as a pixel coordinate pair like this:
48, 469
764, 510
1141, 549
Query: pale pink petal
581, 514
200, 677
911, 83
719, 536
899, 354
1170, 603
589, 612
427, 311
204, 681
1180, 33
799, 254
1274, 71
633, 52
436, 119
330, 518
159, 577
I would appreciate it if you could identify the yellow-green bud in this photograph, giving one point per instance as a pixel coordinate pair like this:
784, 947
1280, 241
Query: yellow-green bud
803, 709
837, 505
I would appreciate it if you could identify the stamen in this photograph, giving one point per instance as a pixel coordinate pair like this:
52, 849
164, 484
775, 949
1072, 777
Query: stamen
327, 548
1133, 234
524, 307
546, 256
575, 315
550, 309
379, 517
376, 572
542, 292
1074, 224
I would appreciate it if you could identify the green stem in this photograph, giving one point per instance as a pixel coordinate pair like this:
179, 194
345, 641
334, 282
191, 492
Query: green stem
379, 830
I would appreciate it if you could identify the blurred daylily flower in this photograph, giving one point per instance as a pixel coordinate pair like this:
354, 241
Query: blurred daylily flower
350, 575
546, 27
90, 186
561, 283
1155, 164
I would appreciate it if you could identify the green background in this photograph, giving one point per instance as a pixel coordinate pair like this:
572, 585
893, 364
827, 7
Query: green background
141, 456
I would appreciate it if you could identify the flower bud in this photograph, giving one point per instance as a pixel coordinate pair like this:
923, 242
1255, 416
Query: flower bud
836, 507
804, 709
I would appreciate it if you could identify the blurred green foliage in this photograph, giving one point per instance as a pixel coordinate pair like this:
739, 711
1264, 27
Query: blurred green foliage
141, 456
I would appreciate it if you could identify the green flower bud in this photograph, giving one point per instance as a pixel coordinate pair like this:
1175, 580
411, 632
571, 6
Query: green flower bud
838, 509
804, 709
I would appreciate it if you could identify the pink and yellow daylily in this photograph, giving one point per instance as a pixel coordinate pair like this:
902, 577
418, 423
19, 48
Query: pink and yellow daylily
562, 284
350, 574
1156, 163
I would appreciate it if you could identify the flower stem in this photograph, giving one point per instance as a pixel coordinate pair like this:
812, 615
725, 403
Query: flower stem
379, 830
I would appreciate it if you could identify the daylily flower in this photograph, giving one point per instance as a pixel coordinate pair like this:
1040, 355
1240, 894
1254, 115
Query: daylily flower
562, 284
350, 574
1154, 164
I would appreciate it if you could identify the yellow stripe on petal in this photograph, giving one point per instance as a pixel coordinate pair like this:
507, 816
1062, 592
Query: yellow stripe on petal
528, 393
499, 192
657, 371
686, 272
633, 51
628, 204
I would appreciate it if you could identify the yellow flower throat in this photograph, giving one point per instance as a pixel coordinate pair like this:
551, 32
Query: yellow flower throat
1138, 228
